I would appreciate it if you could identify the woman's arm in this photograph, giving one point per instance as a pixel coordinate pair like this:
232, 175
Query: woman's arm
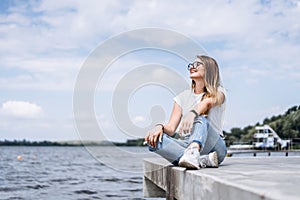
156, 133
174, 120
201, 108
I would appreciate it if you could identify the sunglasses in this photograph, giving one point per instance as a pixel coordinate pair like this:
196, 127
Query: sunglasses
194, 65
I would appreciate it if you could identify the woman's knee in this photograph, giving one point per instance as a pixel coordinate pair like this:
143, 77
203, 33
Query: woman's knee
200, 125
201, 119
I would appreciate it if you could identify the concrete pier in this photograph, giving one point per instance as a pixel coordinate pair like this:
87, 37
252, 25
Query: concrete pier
236, 178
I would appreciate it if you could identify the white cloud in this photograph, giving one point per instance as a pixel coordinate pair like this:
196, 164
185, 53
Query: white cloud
21, 109
51, 39
138, 119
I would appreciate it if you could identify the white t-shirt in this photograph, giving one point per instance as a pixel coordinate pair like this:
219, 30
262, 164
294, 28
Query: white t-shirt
188, 99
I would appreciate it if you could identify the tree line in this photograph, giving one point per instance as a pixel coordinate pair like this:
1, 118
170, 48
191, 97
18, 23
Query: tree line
286, 125
32, 143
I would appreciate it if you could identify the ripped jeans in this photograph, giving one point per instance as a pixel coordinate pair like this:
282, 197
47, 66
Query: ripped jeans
172, 149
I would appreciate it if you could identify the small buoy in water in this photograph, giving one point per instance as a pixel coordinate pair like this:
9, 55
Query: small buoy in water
19, 157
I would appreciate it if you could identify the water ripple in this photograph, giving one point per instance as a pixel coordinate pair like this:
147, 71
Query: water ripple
66, 172
36, 187
85, 192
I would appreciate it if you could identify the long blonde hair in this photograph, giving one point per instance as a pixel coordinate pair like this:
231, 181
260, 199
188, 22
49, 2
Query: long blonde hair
211, 78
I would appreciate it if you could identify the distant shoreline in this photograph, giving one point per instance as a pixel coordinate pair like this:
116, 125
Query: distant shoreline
133, 142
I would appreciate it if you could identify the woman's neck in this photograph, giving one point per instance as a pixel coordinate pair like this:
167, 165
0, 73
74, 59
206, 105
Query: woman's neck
199, 88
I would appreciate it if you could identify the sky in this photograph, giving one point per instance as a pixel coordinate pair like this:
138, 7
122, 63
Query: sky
45, 46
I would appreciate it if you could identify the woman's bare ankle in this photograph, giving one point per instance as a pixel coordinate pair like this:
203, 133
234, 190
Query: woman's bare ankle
195, 144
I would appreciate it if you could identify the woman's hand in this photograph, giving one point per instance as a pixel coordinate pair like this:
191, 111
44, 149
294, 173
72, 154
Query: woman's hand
187, 123
153, 135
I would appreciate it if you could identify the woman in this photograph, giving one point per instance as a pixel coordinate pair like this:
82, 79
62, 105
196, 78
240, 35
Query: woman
201, 143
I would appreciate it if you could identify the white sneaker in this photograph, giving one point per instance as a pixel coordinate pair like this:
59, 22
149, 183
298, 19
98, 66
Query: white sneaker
210, 160
190, 158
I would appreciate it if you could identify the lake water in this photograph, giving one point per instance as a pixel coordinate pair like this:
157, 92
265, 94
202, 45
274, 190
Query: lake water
72, 172
75, 172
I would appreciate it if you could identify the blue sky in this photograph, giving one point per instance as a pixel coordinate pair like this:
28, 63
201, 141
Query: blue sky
44, 44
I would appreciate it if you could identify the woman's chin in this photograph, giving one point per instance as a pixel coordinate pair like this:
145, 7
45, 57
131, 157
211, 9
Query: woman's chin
192, 76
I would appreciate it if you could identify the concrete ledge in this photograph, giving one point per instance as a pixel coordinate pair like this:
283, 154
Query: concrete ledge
237, 178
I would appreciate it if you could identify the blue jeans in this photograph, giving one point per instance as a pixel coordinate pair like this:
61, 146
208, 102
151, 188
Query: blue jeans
172, 149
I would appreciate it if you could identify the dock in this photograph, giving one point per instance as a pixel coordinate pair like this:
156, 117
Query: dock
264, 152
270, 178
